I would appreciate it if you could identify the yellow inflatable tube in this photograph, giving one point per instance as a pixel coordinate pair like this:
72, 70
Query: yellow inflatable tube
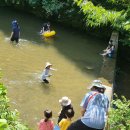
49, 34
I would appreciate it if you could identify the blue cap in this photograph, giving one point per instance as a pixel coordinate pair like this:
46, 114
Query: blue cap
14, 24
14, 21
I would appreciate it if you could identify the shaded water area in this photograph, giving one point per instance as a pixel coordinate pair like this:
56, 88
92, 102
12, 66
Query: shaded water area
122, 79
74, 55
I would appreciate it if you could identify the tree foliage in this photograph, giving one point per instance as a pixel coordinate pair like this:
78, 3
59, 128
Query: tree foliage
110, 13
119, 114
9, 120
49, 6
122, 3
97, 16
52, 6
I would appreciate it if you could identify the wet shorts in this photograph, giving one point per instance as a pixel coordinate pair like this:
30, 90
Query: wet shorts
14, 39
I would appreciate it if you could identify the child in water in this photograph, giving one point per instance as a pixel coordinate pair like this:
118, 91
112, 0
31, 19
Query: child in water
46, 72
45, 28
46, 124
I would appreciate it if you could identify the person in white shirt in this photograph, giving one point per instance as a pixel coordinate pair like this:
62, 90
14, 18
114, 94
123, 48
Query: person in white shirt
46, 73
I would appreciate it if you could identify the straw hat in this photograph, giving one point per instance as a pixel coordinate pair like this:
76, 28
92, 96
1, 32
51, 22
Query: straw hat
48, 64
65, 101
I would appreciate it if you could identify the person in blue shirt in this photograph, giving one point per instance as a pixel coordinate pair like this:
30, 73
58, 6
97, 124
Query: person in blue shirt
94, 110
110, 52
14, 24
15, 34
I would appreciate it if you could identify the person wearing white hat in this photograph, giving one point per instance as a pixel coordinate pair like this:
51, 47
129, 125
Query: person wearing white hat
65, 122
94, 108
99, 84
65, 103
46, 73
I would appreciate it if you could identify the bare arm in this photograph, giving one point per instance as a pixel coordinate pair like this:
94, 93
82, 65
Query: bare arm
11, 34
82, 111
43, 30
53, 69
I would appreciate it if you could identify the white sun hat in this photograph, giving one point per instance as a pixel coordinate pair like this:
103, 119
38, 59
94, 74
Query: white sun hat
97, 83
48, 64
65, 101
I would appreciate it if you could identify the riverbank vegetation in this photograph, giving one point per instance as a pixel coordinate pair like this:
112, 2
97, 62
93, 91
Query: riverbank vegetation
9, 120
87, 15
97, 17
112, 13
119, 114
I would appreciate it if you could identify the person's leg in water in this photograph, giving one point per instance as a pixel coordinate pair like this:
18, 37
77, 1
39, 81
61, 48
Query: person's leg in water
17, 40
12, 39
45, 81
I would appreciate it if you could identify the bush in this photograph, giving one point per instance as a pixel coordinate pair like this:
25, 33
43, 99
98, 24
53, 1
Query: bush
119, 114
9, 120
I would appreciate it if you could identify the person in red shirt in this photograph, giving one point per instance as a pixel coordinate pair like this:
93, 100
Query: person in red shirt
46, 123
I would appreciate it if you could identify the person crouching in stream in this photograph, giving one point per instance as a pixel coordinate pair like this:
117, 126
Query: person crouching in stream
46, 73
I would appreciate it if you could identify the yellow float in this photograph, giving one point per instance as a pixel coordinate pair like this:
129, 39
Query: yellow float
49, 34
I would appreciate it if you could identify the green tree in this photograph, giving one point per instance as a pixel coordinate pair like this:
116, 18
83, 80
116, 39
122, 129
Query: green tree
98, 16
119, 114
9, 120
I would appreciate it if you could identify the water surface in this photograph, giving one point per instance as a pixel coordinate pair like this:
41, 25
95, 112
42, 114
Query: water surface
74, 55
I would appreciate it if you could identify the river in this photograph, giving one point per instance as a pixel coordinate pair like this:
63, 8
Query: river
75, 56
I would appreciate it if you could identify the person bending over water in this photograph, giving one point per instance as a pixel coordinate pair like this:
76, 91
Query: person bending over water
46, 73
94, 110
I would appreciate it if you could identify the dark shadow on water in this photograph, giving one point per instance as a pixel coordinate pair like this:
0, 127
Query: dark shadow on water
79, 48
122, 79
46, 85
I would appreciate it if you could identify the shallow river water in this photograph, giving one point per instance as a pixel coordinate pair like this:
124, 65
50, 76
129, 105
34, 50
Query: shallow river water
74, 55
